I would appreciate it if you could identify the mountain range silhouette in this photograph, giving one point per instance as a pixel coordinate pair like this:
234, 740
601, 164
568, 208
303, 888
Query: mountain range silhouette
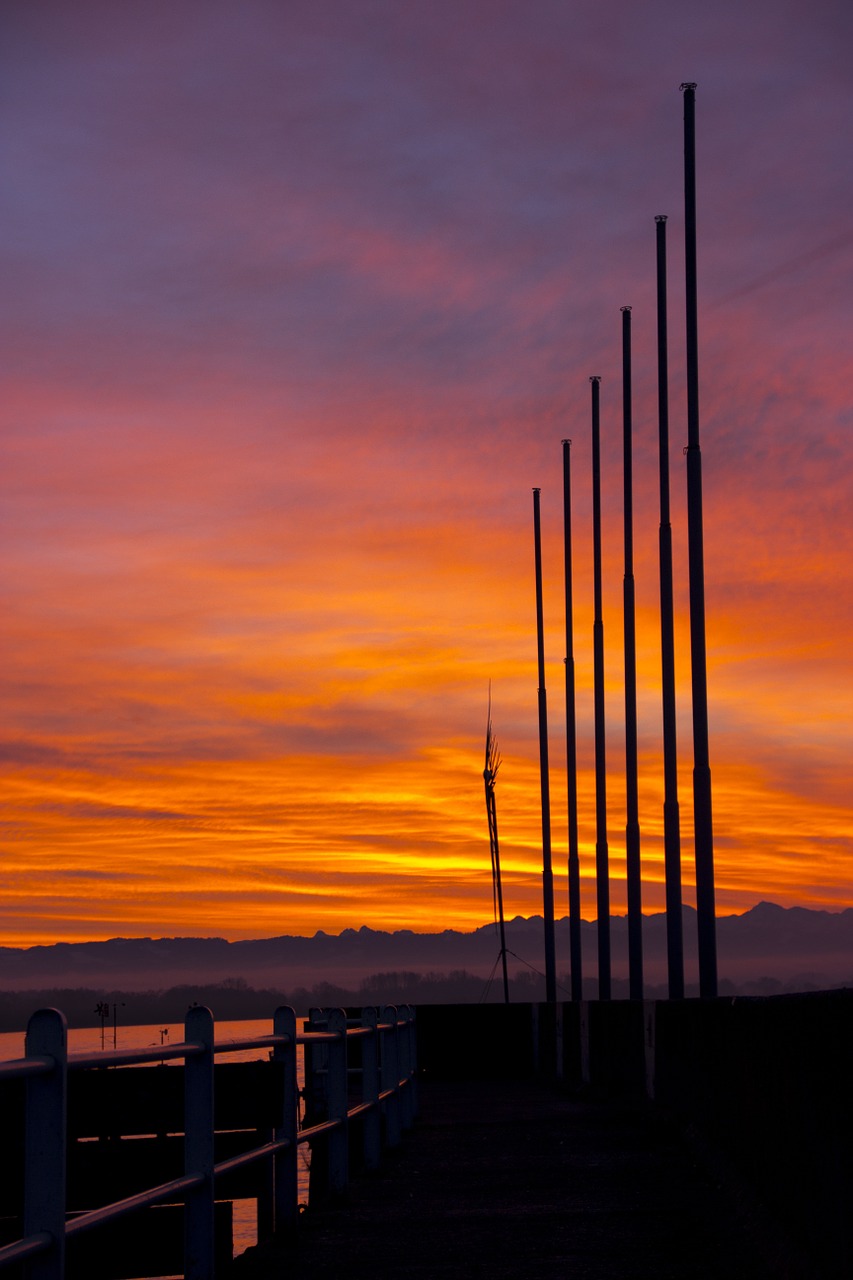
764, 949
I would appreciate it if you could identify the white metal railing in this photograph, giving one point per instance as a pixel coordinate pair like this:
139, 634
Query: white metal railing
385, 1105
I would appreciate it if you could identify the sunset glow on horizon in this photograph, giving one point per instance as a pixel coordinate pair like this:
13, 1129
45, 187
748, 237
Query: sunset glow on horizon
301, 301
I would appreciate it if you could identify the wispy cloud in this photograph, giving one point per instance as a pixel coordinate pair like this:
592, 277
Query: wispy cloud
299, 307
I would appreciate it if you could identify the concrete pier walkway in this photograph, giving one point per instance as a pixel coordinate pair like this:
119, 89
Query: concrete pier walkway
517, 1180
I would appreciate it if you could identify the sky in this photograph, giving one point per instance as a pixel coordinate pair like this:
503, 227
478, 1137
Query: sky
300, 300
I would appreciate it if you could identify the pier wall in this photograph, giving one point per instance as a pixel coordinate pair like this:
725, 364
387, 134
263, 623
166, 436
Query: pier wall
762, 1085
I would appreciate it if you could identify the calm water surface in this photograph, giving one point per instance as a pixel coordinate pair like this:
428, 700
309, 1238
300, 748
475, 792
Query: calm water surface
89, 1039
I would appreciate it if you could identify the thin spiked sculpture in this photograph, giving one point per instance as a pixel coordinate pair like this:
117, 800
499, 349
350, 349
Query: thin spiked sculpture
702, 815
671, 820
490, 773
632, 825
575, 950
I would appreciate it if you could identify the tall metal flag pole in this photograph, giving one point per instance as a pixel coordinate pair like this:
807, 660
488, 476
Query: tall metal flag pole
490, 773
547, 872
632, 825
671, 822
702, 818
571, 741
602, 873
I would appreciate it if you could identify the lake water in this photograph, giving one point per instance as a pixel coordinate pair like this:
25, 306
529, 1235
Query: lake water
89, 1040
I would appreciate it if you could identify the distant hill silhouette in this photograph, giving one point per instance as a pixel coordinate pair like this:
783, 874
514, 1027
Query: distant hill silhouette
769, 948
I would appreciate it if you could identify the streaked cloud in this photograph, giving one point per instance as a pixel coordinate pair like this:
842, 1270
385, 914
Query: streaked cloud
300, 303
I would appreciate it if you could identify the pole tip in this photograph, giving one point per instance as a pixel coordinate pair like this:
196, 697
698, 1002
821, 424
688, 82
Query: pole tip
687, 84
595, 378
660, 217
568, 442
537, 490
625, 308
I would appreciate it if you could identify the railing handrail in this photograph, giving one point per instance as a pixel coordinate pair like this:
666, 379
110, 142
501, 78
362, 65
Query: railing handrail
118, 1208
98, 1058
47, 1065
160, 1053
85, 1060
18, 1068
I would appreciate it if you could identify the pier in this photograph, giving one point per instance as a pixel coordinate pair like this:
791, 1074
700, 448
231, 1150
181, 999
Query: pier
691, 1139
512, 1180
680, 1139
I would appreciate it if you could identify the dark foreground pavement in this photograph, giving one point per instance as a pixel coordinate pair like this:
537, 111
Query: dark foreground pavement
517, 1180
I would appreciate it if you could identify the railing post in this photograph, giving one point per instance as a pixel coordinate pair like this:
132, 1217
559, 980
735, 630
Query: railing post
412, 1032
404, 1064
316, 1064
370, 1089
44, 1161
316, 1058
583, 1032
391, 1076
336, 1097
649, 1025
265, 1187
198, 1146
286, 1162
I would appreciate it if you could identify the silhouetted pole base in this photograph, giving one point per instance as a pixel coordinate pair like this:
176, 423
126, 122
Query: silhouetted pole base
705, 897
635, 913
674, 922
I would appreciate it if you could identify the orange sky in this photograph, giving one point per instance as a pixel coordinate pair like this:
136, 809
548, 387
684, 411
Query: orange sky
298, 313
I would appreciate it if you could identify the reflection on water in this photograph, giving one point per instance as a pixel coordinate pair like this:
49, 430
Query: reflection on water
89, 1040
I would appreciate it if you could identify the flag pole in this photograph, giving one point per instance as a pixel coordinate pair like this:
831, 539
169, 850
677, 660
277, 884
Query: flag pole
702, 815
602, 873
547, 872
575, 949
671, 820
632, 826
